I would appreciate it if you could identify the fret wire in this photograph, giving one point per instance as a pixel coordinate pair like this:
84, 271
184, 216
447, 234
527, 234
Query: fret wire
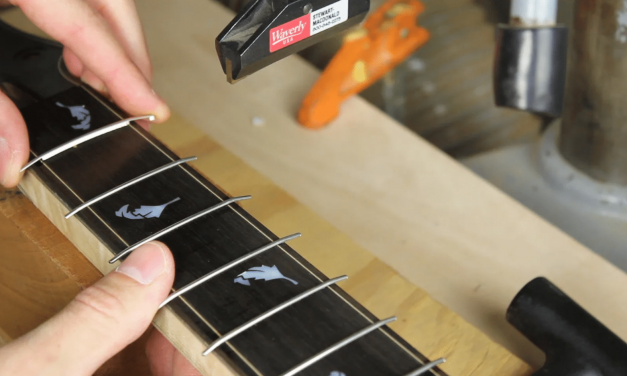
226, 267
47, 167
177, 225
215, 331
230, 335
360, 312
185, 168
128, 184
86, 137
426, 367
338, 346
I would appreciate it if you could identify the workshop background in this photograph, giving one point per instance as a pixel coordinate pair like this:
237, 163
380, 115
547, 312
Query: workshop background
443, 92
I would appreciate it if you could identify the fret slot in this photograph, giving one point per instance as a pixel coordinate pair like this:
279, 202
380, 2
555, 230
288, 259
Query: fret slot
86, 137
338, 346
426, 367
128, 184
271, 312
226, 267
177, 225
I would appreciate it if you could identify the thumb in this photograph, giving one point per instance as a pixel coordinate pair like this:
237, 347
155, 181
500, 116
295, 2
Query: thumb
99, 322
13, 142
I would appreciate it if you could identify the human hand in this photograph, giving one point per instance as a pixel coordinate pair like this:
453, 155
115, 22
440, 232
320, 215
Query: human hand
104, 46
101, 321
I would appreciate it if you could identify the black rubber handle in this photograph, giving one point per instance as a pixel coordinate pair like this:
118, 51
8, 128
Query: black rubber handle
575, 343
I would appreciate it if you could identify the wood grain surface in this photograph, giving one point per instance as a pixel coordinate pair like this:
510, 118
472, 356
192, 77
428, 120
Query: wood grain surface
438, 225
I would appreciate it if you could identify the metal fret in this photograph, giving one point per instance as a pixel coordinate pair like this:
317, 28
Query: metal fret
177, 225
128, 184
271, 312
226, 267
86, 137
426, 367
338, 346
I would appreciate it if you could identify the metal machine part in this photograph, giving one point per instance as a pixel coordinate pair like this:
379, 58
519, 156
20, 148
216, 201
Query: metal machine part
266, 31
575, 343
530, 59
533, 12
594, 134
538, 176
575, 175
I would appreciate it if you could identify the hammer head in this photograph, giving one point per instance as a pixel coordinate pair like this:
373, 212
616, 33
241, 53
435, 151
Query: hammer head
575, 343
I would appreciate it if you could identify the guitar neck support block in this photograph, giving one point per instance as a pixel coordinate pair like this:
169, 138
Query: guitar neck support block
575, 343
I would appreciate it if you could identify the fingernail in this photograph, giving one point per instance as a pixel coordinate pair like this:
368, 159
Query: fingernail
7, 159
145, 264
162, 112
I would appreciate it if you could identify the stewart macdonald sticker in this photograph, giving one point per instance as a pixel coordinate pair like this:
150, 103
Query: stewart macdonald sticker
308, 25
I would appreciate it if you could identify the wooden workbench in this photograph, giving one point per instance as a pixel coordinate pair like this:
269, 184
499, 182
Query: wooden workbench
436, 224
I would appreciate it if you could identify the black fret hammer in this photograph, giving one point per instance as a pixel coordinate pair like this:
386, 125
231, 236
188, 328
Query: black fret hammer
575, 343
266, 31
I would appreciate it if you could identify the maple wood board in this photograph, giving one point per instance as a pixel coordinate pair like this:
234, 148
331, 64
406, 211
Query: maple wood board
438, 225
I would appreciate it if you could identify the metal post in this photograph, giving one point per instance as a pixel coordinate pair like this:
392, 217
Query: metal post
594, 127
533, 12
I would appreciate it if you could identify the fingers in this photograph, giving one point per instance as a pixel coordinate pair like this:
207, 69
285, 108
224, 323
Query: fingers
99, 322
73, 63
87, 35
165, 359
124, 21
13, 142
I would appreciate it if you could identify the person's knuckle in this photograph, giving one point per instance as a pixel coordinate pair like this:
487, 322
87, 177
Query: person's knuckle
97, 301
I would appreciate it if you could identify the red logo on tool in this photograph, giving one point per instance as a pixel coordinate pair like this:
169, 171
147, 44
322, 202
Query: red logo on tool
290, 33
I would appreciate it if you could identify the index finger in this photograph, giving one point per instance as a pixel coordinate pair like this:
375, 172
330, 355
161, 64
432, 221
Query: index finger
85, 32
122, 18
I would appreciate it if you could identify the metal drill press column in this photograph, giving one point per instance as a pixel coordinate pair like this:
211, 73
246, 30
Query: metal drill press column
594, 127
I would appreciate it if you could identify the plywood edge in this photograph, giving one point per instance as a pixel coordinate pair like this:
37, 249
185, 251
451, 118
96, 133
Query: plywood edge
181, 336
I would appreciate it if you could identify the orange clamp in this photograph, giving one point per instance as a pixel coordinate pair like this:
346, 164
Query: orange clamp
387, 38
